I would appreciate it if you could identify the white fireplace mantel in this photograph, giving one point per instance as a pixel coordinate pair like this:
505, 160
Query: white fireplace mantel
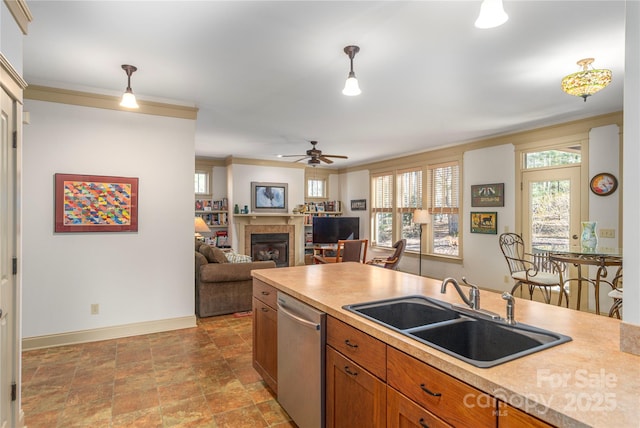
241, 221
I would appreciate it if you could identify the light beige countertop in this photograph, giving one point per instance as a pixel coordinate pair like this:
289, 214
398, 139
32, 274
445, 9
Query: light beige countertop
585, 382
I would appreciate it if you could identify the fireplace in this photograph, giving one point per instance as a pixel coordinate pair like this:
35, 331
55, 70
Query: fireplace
291, 225
270, 246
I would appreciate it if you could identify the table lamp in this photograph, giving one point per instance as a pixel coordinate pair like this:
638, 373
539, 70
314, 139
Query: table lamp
200, 226
421, 217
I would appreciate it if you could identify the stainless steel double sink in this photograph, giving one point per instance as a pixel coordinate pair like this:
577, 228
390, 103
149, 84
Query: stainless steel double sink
477, 340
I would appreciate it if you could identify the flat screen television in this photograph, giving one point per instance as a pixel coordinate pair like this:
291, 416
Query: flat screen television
328, 230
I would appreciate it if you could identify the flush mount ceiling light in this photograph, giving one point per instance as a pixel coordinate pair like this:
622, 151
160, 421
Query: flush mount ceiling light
586, 82
492, 14
128, 99
351, 86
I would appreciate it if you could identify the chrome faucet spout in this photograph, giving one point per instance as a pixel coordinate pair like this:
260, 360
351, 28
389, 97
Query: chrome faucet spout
473, 301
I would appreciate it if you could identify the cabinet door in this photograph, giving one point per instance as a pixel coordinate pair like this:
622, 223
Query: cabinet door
265, 343
404, 413
355, 397
510, 417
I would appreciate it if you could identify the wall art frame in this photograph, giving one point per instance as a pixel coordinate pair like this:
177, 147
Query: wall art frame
487, 195
484, 222
269, 197
358, 205
95, 203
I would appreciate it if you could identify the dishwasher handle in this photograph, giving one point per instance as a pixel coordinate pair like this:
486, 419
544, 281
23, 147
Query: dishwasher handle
295, 317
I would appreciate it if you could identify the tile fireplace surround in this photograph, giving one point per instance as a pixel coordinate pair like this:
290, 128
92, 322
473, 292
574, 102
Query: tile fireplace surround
293, 224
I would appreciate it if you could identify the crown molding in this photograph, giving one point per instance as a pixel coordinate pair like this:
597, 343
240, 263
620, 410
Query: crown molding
21, 13
108, 102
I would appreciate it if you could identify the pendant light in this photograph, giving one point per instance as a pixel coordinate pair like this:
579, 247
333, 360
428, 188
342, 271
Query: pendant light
492, 14
128, 99
586, 82
351, 87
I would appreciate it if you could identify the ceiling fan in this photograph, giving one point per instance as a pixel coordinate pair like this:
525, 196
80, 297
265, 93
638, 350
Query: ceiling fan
315, 156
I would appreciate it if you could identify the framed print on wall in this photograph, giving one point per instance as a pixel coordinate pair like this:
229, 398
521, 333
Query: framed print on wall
484, 222
95, 203
487, 195
269, 197
358, 204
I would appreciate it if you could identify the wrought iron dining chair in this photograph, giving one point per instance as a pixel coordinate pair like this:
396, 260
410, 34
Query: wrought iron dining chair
393, 260
616, 294
533, 270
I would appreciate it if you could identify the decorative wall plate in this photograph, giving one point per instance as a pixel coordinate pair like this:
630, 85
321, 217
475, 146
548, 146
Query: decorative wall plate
603, 184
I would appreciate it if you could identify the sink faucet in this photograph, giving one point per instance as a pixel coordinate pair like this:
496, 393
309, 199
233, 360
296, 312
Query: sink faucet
511, 306
473, 301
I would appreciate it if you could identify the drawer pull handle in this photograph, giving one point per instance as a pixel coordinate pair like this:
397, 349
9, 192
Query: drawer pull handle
348, 370
265, 293
349, 344
433, 394
264, 309
422, 424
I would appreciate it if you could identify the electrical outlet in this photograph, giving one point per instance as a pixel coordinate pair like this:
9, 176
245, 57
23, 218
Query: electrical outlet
607, 233
95, 309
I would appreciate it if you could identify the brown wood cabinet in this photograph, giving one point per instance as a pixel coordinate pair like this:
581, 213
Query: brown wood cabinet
354, 397
265, 333
404, 413
446, 397
510, 417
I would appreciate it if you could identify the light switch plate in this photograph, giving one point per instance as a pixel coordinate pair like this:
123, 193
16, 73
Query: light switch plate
607, 233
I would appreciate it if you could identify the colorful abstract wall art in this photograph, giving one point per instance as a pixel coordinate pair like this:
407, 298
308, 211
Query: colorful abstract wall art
94, 203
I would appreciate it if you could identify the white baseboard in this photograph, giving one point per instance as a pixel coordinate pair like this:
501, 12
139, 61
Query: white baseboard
106, 333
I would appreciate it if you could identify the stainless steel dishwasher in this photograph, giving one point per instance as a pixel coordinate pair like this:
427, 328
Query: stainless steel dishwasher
301, 340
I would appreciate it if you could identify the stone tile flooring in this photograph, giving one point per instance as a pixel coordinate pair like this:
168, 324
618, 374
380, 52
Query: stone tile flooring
199, 377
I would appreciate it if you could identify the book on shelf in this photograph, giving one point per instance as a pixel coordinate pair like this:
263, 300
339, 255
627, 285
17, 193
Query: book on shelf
222, 239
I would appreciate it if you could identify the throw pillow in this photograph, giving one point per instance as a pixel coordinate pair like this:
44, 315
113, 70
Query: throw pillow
213, 254
237, 258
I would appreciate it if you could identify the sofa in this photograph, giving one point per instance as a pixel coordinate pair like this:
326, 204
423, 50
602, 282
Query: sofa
223, 286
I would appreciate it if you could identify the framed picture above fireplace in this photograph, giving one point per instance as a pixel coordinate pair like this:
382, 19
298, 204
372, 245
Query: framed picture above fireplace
269, 197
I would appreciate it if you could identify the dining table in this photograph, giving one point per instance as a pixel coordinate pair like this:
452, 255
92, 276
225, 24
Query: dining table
603, 258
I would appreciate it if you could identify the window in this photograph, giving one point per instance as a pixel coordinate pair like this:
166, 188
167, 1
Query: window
443, 205
555, 157
201, 182
316, 188
409, 197
395, 221
382, 210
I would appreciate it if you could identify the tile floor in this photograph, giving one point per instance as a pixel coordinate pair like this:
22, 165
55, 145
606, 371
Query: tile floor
199, 377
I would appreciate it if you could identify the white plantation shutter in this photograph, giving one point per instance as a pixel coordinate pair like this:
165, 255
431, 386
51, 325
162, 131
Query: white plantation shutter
444, 188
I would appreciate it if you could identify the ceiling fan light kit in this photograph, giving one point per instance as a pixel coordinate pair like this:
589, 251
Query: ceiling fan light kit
587, 81
351, 87
128, 99
492, 14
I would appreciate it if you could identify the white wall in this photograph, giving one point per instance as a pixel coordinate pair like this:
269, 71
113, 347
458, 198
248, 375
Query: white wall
355, 185
239, 180
631, 181
134, 277
11, 38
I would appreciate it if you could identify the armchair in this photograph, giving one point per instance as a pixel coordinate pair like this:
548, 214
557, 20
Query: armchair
392, 261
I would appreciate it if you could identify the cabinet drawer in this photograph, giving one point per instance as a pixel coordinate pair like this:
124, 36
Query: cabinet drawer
510, 417
404, 413
357, 345
446, 397
265, 292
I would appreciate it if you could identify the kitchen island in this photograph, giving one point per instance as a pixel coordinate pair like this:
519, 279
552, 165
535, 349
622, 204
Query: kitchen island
582, 383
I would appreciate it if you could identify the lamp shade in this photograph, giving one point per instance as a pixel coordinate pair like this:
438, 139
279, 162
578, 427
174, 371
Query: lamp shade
129, 100
200, 225
351, 87
492, 14
421, 216
586, 82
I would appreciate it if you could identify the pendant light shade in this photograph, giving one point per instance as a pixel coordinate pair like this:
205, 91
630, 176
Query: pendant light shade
128, 99
351, 87
492, 14
586, 82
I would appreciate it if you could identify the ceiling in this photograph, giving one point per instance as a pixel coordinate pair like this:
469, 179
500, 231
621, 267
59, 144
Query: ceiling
267, 76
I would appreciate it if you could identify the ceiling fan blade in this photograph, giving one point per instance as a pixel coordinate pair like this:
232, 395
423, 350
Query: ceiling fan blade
291, 156
302, 158
336, 156
325, 159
